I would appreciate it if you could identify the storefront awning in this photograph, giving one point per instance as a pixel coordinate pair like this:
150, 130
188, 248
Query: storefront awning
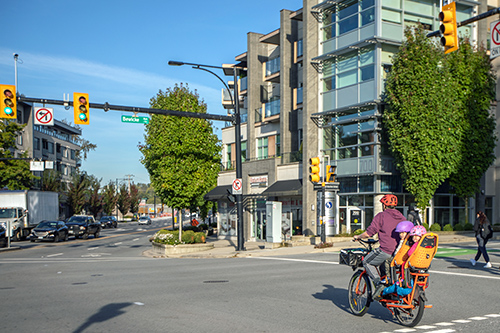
284, 188
219, 192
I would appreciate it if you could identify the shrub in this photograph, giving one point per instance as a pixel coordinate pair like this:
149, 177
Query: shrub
213, 224
468, 226
188, 237
435, 227
203, 226
166, 237
448, 227
199, 237
458, 227
426, 226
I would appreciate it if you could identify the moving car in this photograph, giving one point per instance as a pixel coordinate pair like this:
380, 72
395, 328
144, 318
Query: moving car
144, 220
108, 221
83, 226
50, 230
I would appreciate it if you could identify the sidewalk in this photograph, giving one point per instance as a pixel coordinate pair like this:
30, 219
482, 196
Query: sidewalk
224, 248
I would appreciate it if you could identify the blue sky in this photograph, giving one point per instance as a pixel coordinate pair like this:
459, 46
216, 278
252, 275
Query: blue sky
117, 52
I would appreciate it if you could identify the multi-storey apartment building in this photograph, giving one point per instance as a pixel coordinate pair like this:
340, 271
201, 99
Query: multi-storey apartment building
313, 88
55, 143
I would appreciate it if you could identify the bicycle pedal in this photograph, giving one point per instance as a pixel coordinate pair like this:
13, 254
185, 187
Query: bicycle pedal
428, 306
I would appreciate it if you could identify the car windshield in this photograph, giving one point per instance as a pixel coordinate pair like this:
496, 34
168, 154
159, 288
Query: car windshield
7, 213
143, 218
77, 219
47, 225
106, 218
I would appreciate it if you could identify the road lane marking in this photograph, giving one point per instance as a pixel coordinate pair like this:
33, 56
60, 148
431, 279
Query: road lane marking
466, 275
54, 255
93, 248
118, 243
299, 260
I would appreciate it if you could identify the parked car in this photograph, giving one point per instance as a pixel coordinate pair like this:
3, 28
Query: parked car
83, 226
108, 221
50, 230
3, 238
144, 220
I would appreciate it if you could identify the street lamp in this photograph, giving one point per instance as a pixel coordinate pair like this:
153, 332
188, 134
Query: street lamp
237, 133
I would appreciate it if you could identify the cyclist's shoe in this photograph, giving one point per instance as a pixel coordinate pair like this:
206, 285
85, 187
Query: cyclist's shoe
377, 294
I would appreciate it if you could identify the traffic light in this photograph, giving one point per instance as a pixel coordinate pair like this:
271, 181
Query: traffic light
314, 169
330, 173
8, 107
448, 28
81, 108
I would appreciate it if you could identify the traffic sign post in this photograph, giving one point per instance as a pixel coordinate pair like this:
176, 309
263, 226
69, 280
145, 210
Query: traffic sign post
495, 39
44, 116
135, 119
237, 186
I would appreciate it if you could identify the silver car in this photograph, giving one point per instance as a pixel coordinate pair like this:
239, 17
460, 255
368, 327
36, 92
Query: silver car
144, 220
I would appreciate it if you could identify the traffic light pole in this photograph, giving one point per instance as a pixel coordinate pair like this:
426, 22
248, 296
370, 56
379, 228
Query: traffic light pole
107, 107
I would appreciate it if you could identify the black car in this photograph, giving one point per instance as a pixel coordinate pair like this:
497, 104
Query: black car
83, 226
50, 230
108, 221
3, 239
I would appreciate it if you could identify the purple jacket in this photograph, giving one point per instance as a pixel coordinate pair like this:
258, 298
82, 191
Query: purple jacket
384, 224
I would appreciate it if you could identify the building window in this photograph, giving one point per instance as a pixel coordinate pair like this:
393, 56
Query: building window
228, 157
272, 66
351, 68
50, 148
73, 154
36, 143
345, 17
243, 151
278, 145
262, 148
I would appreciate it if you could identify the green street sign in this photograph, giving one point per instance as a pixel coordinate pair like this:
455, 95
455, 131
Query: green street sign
135, 120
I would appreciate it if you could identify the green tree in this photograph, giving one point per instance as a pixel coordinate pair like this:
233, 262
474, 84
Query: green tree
123, 200
78, 193
134, 199
14, 174
182, 155
51, 181
423, 125
109, 198
471, 67
95, 198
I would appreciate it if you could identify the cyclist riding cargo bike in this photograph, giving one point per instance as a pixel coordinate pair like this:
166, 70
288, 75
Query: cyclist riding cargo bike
404, 297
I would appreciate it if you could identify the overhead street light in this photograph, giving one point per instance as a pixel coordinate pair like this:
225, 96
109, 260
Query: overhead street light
235, 70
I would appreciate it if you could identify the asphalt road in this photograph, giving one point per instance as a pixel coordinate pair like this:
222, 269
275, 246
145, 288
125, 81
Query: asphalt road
106, 285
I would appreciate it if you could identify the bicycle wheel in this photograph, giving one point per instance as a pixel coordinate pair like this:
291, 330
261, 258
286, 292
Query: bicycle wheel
411, 317
359, 293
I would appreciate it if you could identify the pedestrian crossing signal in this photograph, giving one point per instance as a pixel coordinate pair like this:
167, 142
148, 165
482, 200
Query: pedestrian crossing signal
330, 173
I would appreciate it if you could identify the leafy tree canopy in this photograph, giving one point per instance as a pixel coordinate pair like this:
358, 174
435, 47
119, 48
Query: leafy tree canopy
182, 155
14, 174
429, 117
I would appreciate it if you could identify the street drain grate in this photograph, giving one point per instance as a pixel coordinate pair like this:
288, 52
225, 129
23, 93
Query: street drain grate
216, 281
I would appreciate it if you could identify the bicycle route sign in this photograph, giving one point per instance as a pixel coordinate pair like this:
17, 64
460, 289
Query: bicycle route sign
44, 116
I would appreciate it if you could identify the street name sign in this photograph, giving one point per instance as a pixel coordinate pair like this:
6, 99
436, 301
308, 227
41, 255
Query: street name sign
135, 120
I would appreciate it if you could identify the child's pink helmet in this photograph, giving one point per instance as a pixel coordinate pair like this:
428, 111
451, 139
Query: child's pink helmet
418, 230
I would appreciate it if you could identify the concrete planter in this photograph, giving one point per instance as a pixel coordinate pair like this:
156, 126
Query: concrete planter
163, 249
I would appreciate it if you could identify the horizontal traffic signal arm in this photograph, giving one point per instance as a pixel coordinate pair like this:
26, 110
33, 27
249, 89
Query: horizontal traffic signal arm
108, 107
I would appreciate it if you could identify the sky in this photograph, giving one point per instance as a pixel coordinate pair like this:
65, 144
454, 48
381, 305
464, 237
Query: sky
117, 52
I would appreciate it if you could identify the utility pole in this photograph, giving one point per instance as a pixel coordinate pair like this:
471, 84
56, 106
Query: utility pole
129, 177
